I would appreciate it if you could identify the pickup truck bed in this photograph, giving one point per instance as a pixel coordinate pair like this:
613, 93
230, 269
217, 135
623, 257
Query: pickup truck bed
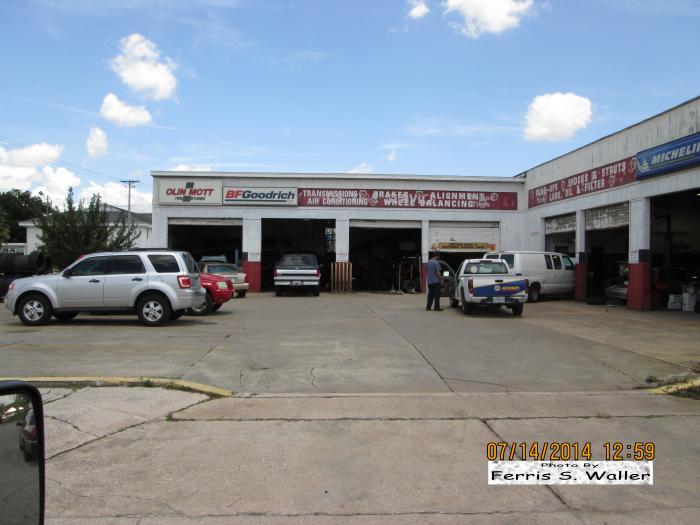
482, 282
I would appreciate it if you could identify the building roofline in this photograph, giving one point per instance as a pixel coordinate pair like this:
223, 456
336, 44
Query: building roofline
664, 112
351, 176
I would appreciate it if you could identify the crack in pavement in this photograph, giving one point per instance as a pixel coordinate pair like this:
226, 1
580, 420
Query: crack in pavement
76, 427
479, 382
396, 330
209, 351
109, 434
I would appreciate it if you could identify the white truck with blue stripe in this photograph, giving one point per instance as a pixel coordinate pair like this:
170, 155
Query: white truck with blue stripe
487, 282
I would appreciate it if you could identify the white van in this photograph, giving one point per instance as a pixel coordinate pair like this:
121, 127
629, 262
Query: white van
549, 273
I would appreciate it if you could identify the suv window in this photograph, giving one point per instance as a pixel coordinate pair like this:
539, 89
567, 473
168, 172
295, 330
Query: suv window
190, 264
126, 264
557, 262
91, 266
568, 264
164, 263
548, 261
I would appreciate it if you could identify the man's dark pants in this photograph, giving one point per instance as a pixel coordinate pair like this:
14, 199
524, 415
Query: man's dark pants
433, 294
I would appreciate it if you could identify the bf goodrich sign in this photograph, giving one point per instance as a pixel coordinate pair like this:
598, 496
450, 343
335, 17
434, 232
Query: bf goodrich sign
189, 191
247, 196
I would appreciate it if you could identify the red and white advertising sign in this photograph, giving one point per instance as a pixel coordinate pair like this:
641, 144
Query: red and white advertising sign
189, 191
605, 177
377, 198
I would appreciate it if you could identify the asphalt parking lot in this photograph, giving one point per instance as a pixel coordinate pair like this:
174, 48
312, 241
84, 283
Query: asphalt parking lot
367, 343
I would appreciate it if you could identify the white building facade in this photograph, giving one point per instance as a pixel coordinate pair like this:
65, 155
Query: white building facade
625, 203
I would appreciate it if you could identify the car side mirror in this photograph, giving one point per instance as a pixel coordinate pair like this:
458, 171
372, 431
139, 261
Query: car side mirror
21, 453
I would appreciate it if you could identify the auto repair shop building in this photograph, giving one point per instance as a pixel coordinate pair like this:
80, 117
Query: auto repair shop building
628, 199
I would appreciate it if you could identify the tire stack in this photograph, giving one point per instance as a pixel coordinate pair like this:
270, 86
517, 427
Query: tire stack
15, 265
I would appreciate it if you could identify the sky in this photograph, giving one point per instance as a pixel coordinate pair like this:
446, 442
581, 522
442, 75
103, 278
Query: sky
93, 92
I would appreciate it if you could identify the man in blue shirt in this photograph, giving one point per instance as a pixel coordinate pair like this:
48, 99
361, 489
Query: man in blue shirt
434, 280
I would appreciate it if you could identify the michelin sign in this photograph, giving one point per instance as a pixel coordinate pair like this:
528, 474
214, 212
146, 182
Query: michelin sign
672, 156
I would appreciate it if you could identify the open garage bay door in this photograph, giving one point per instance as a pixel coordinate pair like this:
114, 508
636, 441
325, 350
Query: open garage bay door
280, 236
206, 237
560, 234
675, 245
456, 241
385, 255
607, 247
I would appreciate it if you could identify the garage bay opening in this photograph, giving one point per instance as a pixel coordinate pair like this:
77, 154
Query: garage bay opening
281, 236
385, 255
207, 238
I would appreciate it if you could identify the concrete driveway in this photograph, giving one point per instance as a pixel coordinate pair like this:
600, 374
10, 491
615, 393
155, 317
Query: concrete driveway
367, 343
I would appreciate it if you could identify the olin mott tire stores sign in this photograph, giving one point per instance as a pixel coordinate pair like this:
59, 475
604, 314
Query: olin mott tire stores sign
384, 226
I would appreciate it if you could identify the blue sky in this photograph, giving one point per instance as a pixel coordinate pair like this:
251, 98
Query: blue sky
457, 87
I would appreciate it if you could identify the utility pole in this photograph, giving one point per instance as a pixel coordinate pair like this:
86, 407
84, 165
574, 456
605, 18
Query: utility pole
129, 184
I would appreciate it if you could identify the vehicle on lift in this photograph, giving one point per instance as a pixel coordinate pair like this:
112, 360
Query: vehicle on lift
488, 282
298, 271
156, 285
218, 291
229, 270
549, 273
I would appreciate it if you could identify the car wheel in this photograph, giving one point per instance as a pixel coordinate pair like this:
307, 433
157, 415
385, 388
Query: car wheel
454, 303
34, 310
278, 291
534, 293
177, 314
27, 455
203, 309
242, 294
154, 310
65, 316
517, 310
466, 307
216, 307
317, 291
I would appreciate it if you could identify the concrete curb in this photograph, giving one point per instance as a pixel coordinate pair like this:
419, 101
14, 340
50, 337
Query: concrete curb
181, 384
668, 389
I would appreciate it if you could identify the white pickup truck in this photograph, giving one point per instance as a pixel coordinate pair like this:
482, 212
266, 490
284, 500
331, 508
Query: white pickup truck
488, 282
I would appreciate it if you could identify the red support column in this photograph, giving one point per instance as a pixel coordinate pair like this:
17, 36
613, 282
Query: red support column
581, 269
253, 275
639, 283
423, 278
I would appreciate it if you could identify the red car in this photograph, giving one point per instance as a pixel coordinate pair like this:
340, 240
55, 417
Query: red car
219, 290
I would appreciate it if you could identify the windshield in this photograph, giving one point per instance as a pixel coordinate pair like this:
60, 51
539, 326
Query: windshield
295, 259
222, 268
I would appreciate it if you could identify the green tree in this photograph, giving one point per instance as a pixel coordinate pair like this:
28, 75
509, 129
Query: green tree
4, 227
78, 229
19, 206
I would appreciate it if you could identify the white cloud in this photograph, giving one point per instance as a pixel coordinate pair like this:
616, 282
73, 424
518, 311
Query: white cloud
31, 156
140, 68
122, 114
96, 144
488, 16
189, 167
391, 157
118, 195
556, 116
419, 9
29, 168
362, 168
55, 183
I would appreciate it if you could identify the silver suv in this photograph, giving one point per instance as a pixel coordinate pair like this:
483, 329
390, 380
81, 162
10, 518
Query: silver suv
157, 285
